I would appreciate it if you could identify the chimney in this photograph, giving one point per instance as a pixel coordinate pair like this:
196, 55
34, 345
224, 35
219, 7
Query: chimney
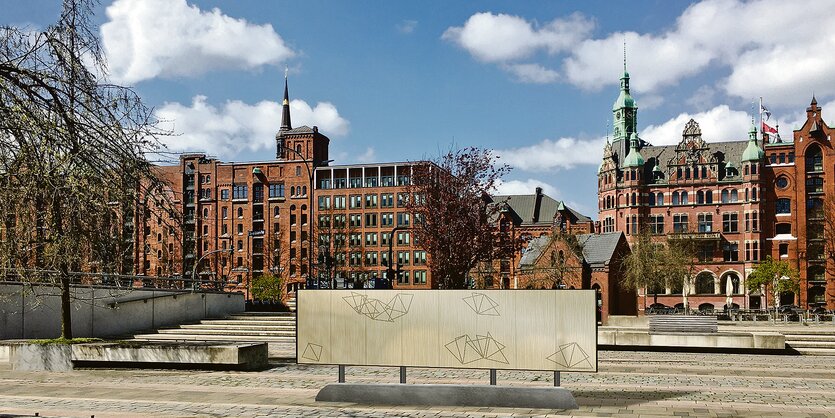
537, 204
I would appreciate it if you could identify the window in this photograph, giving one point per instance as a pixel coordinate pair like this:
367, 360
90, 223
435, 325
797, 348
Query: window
371, 201
730, 251
651, 199
276, 211
339, 202
403, 219
420, 277
814, 185
339, 221
371, 239
814, 208
403, 238
679, 223
783, 206
355, 201
782, 182
387, 200
257, 192
240, 212
324, 202
224, 230
420, 258
705, 221
355, 239
224, 212
705, 284
239, 191
683, 198
752, 221
403, 257
730, 222
298, 171
609, 225
276, 190
632, 224
371, 258
205, 230
402, 198
355, 220
814, 159
370, 219
240, 245
656, 224
385, 238
224, 194
324, 221
783, 229
705, 252
752, 250
675, 198
387, 219
783, 250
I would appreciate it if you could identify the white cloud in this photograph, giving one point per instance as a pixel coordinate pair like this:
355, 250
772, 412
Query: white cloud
499, 37
719, 124
767, 48
407, 26
507, 187
144, 39
236, 126
563, 153
532, 73
369, 156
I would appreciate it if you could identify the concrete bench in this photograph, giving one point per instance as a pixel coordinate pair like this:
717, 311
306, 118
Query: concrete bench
666, 324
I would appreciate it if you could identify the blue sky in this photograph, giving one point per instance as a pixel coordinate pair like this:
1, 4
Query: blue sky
395, 81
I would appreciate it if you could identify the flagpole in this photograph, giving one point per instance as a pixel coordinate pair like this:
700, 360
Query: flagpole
762, 134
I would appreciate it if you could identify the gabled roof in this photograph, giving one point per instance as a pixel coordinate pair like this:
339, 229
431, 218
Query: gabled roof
523, 206
598, 249
304, 129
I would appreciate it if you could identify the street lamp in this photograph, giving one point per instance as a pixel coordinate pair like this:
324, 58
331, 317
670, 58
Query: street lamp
310, 165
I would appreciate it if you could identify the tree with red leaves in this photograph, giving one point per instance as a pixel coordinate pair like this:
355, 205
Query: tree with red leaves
454, 219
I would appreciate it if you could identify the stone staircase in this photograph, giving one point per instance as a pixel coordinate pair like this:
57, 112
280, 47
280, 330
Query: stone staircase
811, 342
277, 329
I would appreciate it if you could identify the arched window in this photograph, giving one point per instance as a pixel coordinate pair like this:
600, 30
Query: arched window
708, 196
725, 196
240, 212
704, 172
633, 199
292, 190
205, 213
276, 211
675, 198
754, 193
651, 199
683, 198
746, 194
814, 158
723, 285
304, 190
704, 284
700, 197
299, 148
734, 196
659, 199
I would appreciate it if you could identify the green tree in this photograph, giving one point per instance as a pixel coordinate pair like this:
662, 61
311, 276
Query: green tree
73, 149
776, 276
268, 286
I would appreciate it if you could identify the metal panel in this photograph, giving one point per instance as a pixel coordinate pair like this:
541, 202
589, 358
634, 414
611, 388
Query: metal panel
495, 329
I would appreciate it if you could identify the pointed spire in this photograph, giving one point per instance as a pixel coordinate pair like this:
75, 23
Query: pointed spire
814, 100
285, 115
752, 152
624, 54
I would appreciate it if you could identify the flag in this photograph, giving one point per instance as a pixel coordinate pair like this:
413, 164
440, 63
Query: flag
768, 130
765, 111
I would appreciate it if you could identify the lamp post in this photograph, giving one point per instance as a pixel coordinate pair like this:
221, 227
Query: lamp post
310, 165
195, 283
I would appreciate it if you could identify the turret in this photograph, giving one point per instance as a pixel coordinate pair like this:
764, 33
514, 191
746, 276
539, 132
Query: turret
752, 152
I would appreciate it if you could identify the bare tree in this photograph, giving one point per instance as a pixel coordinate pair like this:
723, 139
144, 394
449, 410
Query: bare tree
453, 221
72, 153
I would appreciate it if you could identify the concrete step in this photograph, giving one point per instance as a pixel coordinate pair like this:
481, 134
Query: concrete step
182, 337
243, 323
261, 315
811, 344
239, 333
796, 337
815, 351
265, 327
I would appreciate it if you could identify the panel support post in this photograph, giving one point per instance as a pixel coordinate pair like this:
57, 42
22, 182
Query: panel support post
557, 379
341, 374
493, 377
403, 374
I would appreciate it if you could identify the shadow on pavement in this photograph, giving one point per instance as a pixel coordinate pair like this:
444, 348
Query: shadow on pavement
623, 397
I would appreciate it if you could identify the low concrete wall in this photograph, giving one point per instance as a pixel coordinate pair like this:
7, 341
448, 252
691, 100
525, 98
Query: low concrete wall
248, 356
627, 321
746, 341
37, 357
35, 311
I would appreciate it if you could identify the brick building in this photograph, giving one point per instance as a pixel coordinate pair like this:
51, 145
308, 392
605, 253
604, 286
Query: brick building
709, 193
583, 261
737, 201
799, 207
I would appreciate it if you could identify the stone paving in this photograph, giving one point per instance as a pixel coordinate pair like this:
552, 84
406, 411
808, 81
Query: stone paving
629, 384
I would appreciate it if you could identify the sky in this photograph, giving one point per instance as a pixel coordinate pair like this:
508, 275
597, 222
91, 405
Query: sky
403, 81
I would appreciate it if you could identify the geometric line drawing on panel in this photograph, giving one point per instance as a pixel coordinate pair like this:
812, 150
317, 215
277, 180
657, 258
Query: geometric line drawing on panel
571, 356
482, 304
483, 347
312, 352
378, 310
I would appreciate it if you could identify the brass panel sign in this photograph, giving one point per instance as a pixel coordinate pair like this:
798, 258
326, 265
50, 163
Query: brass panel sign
495, 329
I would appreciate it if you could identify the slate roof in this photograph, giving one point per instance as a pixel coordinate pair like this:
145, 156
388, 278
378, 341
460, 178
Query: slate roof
304, 129
524, 205
598, 249
661, 155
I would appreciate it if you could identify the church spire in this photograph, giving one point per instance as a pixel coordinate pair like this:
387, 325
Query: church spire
624, 115
285, 105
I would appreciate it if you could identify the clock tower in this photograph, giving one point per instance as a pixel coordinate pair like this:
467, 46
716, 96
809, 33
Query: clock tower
624, 117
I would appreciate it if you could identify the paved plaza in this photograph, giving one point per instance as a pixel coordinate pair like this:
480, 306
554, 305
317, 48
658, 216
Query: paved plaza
629, 384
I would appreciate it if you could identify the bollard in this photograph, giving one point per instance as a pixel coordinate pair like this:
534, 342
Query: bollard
341, 374
493, 377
